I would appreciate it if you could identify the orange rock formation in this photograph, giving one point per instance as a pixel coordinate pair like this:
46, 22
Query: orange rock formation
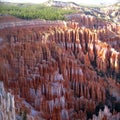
61, 72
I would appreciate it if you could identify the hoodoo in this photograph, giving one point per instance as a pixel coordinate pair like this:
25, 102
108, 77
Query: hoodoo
60, 70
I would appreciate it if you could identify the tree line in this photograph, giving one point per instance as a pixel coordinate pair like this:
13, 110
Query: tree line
35, 11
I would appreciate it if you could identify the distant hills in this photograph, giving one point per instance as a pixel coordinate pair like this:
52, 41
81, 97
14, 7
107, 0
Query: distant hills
62, 4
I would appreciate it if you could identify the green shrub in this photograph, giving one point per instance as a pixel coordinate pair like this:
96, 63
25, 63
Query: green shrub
26, 11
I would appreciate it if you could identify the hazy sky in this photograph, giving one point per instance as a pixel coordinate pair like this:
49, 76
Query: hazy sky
77, 1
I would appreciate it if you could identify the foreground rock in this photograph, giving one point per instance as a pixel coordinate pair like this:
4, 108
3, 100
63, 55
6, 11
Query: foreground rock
7, 106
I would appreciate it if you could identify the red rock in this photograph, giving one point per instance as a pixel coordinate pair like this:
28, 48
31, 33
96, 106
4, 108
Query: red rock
57, 70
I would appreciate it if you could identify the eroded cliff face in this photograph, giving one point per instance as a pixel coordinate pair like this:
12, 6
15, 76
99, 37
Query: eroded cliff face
108, 32
111, 35
88, 21
58, 73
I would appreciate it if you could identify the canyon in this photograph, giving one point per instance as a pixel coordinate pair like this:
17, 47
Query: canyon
60, 70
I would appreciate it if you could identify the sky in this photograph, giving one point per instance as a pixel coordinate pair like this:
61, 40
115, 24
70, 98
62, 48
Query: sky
77, 1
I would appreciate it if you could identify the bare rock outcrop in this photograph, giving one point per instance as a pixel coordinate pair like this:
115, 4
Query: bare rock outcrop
59, 71
7, 105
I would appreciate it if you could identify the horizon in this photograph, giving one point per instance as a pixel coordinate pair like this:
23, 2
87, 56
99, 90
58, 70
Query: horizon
87, 2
